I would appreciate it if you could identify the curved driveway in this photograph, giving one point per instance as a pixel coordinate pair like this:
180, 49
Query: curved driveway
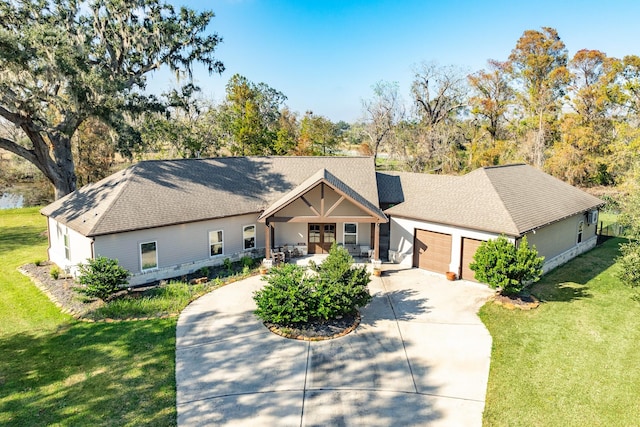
419, 357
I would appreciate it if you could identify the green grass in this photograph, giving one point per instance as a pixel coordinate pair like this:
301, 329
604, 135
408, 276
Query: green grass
574, 360
166, 300
55, 370
607, 218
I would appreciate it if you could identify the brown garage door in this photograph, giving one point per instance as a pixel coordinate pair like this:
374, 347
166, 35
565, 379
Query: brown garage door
469, 247
432, 251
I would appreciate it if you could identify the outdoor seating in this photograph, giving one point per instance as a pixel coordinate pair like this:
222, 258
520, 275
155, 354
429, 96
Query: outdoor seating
365, 251
277, 257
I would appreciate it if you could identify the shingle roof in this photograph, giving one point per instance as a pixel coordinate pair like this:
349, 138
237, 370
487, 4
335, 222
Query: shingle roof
512, 199
323, 175
158, 193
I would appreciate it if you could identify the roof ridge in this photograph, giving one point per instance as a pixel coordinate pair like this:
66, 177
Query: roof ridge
128, 172
504, 166
249, 157
493, 188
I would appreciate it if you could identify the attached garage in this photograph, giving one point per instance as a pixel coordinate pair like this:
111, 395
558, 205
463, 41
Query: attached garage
432, 251
469, 247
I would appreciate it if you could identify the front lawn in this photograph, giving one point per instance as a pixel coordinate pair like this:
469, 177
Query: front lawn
574, 360
55, 370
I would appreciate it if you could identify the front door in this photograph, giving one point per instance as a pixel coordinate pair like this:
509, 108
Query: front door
321, 237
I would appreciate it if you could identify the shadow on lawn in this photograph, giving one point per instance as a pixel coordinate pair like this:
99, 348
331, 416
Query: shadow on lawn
14, 238
91, 374
569, 282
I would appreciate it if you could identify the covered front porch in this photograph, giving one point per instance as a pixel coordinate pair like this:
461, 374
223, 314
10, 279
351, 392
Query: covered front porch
318, 213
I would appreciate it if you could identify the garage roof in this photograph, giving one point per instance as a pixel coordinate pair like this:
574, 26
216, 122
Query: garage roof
512, 199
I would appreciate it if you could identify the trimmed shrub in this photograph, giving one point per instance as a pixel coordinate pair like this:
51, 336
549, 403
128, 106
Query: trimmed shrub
346, 284
101, 277
500, 265
55, 272
292, 296
288, 297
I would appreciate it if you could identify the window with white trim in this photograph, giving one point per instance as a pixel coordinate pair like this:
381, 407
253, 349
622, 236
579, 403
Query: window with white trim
350, 233
67, 246
148, 256
216, 243
580, 230
249, 236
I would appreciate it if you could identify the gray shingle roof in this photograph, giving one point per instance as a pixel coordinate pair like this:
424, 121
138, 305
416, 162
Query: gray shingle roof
511, 199
157, 193
323, 175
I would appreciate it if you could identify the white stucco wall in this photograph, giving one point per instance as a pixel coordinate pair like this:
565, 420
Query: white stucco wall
181, 249
403, 231
79, 247
289, 233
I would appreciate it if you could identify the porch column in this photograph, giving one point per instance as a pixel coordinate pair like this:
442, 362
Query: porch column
267, 240
376, 242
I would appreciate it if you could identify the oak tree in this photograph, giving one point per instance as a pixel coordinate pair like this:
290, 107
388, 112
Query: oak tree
64, 61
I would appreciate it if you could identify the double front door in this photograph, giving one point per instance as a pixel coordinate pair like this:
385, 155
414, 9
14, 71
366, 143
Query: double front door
321, 237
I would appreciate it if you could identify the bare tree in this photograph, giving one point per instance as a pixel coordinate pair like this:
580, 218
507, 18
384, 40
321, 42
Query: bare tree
440, 95
382, 113
439, 92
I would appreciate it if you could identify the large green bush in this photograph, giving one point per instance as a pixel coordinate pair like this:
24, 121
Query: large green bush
295, 296
629, 272
500, 264
102, 277
629, 260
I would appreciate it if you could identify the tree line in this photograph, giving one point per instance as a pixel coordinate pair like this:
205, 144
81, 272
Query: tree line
73, 79
577, 118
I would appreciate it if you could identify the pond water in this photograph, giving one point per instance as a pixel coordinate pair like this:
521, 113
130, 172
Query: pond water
11, 201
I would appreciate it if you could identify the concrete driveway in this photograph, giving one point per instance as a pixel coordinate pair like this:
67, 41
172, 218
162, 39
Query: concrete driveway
419, 357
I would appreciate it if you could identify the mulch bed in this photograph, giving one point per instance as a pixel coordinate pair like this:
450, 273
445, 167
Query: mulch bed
523, 302
318, 330
60, 291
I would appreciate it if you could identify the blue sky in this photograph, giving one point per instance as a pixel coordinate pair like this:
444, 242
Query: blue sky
326, 55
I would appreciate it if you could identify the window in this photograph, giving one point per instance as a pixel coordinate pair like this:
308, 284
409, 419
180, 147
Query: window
314, 233
249, 236
329, 233
580, 229
216, 243
67, 247
350, 233
148, 255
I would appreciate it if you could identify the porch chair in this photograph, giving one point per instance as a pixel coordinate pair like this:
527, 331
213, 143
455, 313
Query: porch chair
365, 251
